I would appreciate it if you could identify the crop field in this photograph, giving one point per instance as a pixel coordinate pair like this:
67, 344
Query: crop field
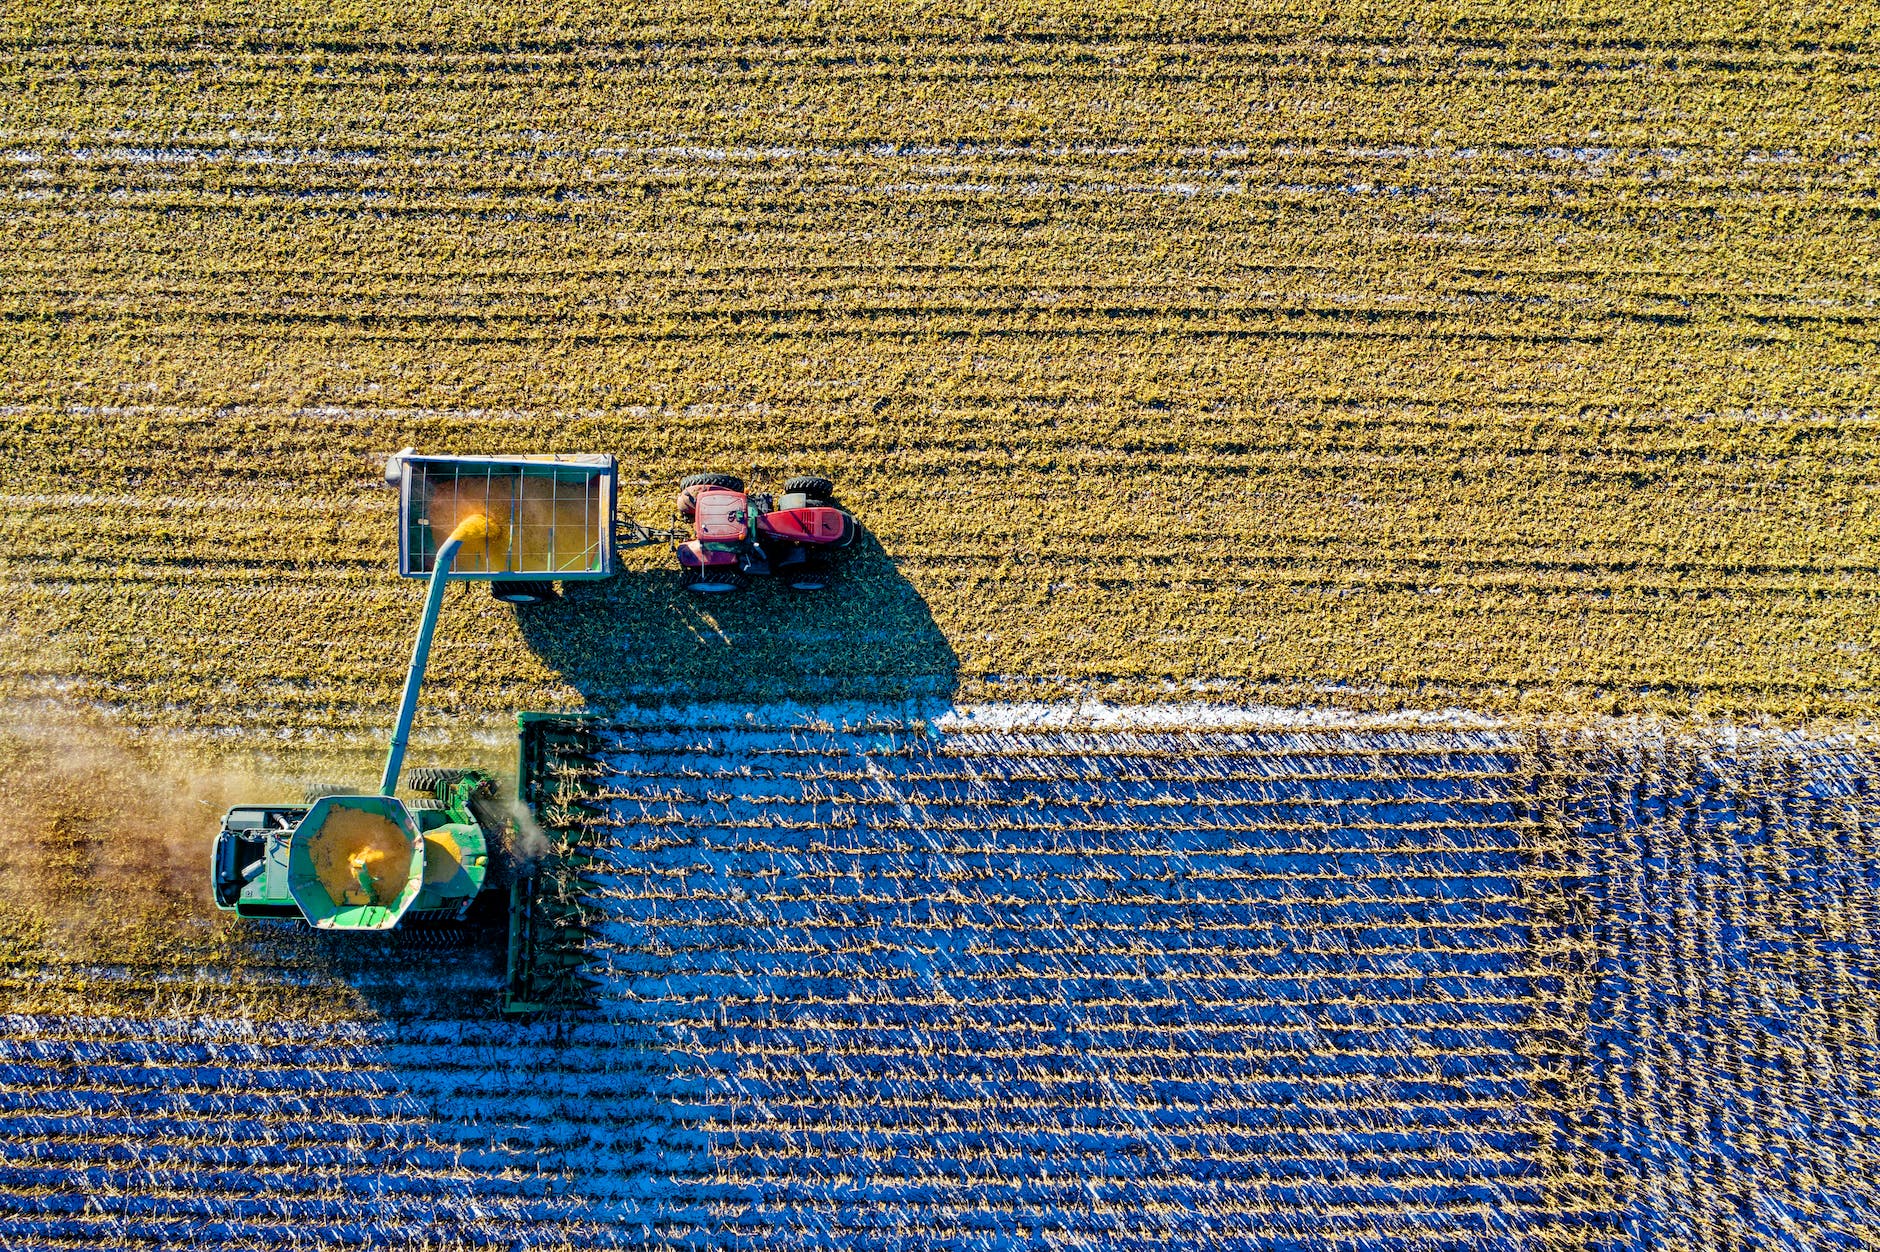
1349, 727
1460, 355
1002, 984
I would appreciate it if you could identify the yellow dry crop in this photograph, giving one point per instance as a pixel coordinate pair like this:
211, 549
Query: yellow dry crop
536, 524
443, 858
1508, 357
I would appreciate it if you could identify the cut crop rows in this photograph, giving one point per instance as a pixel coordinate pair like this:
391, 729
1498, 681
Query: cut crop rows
863, 983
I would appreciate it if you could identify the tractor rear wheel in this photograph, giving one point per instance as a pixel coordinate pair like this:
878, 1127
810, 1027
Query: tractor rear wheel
524, 594
708, 580
320, 791
730, 482
818, 489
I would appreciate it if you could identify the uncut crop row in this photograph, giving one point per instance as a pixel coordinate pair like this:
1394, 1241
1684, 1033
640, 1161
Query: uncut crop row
1463, 362
861, 983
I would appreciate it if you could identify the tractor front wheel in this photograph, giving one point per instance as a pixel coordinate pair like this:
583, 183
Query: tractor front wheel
730, 482
523, 594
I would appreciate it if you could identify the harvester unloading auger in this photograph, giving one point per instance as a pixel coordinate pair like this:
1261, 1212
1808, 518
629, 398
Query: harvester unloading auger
375, 862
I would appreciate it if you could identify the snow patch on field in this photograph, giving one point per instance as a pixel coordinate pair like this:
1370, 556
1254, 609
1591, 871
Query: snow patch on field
1097, 716
1092, 715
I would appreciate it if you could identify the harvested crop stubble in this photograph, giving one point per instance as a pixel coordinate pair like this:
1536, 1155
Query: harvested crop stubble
1508, 357
1352, 986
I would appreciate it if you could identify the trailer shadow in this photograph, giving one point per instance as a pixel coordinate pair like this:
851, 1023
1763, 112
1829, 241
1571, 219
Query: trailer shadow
641, 638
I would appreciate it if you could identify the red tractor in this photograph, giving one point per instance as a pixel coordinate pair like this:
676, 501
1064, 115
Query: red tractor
735, 534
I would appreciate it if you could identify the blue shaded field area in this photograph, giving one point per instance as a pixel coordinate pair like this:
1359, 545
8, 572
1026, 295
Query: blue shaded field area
1732, 909
1254, 990
878, 985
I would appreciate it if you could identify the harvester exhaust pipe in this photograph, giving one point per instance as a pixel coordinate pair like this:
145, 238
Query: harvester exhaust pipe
473, 529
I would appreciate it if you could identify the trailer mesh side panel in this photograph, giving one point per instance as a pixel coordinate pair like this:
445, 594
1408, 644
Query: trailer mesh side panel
553, 520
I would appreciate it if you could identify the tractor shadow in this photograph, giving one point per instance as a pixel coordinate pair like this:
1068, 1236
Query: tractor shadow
641, 638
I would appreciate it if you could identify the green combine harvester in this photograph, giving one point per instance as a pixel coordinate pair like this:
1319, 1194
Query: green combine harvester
438, 861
